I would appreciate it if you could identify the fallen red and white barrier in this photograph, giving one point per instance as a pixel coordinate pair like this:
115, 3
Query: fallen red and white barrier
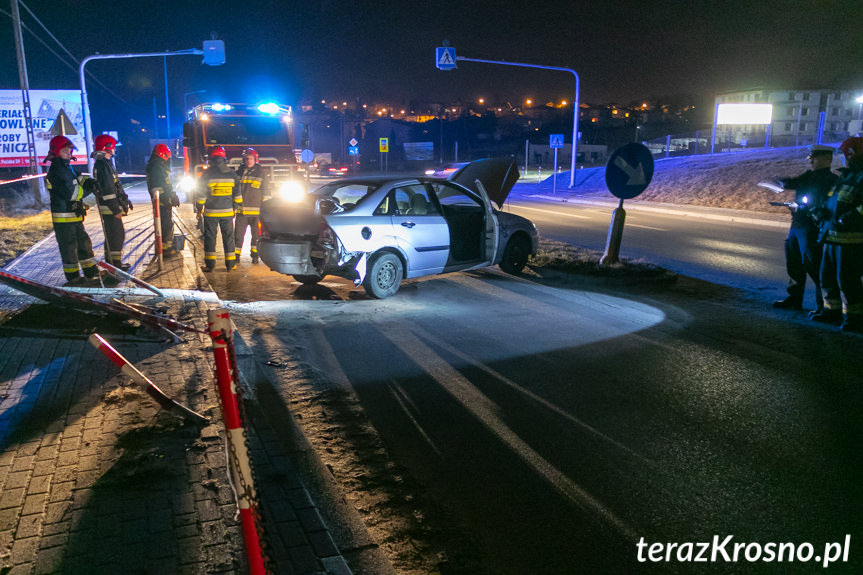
151, 388
121, 275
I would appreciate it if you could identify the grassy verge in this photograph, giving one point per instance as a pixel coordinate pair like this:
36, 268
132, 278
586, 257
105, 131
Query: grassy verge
568, 258
17, 234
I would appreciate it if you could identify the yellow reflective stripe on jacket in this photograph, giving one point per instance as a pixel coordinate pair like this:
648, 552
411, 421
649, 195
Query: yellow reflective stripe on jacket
111, 197
253, 182
70, 269
238, 199
215, 213
251, 211
105, 210
211, 255
65, 217
834, 237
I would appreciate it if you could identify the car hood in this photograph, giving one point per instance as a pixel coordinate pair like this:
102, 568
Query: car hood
498, 175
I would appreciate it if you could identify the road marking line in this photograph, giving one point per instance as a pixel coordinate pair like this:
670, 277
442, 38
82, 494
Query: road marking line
645, 227
552, 212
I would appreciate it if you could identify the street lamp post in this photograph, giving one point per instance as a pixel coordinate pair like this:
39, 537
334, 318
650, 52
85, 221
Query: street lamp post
574, 106
859, 101
85, 105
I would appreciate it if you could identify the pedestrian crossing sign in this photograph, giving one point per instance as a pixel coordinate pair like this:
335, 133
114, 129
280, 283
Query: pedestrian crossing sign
445, 58
555, 141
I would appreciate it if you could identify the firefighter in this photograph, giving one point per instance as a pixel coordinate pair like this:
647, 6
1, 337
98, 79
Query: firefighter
802, 250
218, 197
159, 178
113, 202
842, 234
67, 189
254, 189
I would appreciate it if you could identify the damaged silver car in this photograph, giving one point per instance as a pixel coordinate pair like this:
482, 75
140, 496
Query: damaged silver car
378, 231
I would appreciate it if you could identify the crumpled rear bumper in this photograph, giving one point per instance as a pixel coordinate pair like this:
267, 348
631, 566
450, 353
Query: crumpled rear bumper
287, 257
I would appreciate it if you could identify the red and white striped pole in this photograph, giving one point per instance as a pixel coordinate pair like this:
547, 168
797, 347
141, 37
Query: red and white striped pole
157, 225
131, 371
239, 464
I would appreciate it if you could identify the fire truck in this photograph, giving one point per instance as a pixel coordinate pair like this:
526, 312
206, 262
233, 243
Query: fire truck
268, 128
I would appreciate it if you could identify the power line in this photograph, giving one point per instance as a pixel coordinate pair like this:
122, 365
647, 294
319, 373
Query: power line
62, 59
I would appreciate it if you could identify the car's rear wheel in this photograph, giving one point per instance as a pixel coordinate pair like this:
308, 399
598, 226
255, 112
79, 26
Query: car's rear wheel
307, 280
515, 255
383, 276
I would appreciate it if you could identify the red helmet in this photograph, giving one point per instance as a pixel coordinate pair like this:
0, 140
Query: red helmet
162, 151
105, 143
217, 151
58, 143
855, 143
250, 152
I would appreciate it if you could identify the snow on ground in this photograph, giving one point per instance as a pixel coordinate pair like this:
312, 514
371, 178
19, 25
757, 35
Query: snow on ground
726, 180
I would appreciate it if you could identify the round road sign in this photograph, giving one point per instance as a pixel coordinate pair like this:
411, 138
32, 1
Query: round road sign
629, 170
307, 156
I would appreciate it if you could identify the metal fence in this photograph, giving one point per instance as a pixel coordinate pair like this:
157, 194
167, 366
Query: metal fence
699, 142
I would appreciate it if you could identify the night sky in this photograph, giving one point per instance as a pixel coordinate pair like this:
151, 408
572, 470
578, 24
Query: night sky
384, 50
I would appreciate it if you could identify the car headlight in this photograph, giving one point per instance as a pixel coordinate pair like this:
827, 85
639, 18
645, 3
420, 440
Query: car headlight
292, 191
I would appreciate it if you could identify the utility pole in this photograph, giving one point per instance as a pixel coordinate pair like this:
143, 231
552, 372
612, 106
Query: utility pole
25, 97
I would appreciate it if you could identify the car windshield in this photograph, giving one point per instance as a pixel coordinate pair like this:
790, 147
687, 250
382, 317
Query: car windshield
346, 195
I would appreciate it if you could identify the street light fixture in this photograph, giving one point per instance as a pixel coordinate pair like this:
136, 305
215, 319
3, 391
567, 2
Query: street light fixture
859, 107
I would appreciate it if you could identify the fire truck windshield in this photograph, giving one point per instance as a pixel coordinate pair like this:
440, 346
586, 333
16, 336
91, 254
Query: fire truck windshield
247, 131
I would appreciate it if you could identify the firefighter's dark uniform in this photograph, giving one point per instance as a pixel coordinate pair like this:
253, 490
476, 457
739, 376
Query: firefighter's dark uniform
802, 249
218, 197
254, 189
66, 189
112, 200
842, 265
159, 178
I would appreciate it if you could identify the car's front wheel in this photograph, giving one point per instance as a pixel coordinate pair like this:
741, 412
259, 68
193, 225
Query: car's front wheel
307, 280
515, 255
383, 276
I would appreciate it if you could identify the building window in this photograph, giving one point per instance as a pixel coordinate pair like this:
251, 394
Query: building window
834, 111
804, 111
806, 95
803, 126
792, 96
787, 126
791, 111
848, 112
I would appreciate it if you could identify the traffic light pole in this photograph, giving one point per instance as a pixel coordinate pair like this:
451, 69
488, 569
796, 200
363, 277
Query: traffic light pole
574, 107
88, 130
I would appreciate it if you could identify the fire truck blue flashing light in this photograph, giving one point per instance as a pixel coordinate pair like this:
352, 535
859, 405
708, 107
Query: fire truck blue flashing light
270, 108
221, 107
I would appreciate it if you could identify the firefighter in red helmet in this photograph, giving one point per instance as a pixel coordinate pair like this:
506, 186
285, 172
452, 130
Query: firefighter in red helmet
113, 202
159, 178
842, 234
255, 189
218, 197
67, 189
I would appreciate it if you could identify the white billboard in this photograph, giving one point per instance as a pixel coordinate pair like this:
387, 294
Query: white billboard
44, 106
744, 114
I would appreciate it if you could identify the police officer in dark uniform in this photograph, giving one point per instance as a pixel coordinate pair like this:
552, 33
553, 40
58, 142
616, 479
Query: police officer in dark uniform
842, 234
255, 189
218, 198
802, 250
67, 189
113, 202
159, 178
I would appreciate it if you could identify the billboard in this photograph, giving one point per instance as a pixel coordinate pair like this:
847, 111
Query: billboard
744, 114
44, 106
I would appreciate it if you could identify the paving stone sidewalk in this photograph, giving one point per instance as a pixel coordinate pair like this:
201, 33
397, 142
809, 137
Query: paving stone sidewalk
94, 476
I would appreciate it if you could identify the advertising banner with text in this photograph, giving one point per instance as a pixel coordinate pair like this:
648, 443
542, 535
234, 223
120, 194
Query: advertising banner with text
45, 105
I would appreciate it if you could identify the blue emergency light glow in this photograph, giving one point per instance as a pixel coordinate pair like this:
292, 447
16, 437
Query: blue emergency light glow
270, 108
221, 107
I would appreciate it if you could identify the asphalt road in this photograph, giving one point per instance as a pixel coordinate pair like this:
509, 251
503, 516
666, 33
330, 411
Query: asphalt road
743, 255
558, 423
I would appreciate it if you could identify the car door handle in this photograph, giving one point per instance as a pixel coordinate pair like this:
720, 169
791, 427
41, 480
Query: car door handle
408, 224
